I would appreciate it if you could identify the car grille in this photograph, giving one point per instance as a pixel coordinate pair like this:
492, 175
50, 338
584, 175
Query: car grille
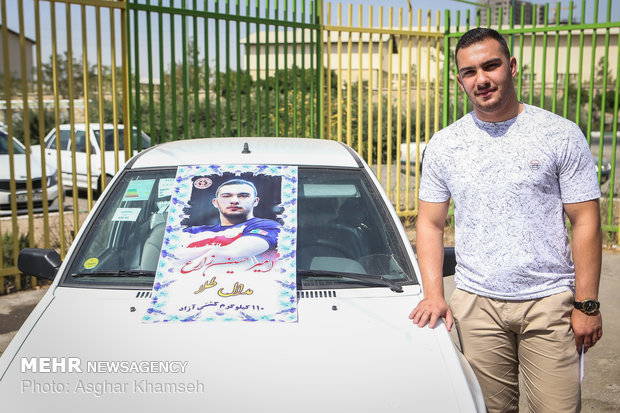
20, 185
300, 294
316, 294
22, 206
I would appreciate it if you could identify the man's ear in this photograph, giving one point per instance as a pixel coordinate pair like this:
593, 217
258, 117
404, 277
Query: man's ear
214, 202
460, 82
513, 66
256, 201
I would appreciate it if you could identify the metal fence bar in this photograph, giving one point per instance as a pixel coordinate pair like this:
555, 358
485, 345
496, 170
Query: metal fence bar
520, 60
7, 88
75, 192
61, 216
370, 88
554, 94
149, 60
125, 98
591, 88
339, 79
89, 191
228, 85
543, 79
408, 119
26, 120
614, 136
568, 60
302, 109
601, 138
349, 77
41, 126
360, 98
100, 92
398, 112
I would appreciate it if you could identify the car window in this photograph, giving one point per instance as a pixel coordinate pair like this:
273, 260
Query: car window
65, 138
127, 233
51, 141
4, 145
65, 141
341, 227
80, 142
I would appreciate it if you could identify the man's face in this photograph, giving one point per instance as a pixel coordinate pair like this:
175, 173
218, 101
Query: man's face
485, 75
236, 201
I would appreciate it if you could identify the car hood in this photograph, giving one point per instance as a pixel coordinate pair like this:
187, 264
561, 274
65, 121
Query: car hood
20, 167
356, 351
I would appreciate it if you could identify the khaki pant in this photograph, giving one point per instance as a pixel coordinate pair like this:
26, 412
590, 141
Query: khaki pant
500, 338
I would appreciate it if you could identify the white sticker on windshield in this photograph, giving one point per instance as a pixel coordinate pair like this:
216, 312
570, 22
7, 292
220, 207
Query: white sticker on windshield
139, 190
165, 187
126, 214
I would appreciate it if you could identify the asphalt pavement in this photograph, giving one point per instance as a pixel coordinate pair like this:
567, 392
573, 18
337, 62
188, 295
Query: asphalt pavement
601, 385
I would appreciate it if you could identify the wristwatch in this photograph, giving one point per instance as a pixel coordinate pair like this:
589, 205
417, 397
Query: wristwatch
588, 306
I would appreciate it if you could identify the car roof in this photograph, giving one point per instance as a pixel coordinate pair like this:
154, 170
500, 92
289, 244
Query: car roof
260, 151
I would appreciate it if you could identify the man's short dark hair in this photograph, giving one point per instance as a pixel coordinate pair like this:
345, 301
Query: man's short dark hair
478, 35
237, 182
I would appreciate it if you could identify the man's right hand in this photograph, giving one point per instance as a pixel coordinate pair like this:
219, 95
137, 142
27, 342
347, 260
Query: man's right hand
430, 310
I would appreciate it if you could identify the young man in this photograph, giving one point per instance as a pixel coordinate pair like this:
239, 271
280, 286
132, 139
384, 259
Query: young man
239, 234
513, 171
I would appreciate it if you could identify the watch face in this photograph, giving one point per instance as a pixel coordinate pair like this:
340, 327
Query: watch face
590, 306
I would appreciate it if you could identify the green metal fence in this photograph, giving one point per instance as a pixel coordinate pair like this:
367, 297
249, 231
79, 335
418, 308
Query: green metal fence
182, 69
224, 68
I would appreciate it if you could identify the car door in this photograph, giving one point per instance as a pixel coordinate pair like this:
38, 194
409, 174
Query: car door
81, 160
65, 154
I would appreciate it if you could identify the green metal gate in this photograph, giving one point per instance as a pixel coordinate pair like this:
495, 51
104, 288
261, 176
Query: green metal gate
223, 68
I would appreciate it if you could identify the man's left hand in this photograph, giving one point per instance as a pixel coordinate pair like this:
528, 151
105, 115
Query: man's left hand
588, 329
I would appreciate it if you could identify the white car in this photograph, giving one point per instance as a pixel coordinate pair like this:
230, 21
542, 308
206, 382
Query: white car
412, 152
21, 176
89, 344
110, 158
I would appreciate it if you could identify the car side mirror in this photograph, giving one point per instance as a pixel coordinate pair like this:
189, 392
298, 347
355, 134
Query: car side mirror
42, 263
449, 261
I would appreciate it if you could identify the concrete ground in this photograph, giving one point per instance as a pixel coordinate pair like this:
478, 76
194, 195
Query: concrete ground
601, 386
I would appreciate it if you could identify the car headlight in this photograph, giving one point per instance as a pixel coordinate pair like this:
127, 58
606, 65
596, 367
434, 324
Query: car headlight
52, 180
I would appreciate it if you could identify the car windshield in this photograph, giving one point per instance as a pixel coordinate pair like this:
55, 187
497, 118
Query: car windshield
343, 227
138, 144
4, 145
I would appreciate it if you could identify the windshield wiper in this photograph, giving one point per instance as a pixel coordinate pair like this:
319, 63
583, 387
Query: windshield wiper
119, 273
369, 279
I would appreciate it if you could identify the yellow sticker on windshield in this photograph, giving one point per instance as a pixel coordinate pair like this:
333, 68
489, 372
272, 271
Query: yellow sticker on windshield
91, 263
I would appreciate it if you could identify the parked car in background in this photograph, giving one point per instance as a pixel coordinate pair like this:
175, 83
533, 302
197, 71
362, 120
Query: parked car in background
412, 153
111, 158
607, 147
89, 345
21, 176
605, 169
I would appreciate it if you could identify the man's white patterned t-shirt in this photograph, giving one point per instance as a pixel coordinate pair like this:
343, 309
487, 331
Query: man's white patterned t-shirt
509, 181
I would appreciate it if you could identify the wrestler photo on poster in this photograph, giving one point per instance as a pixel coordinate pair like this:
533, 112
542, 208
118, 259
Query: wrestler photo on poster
229, 248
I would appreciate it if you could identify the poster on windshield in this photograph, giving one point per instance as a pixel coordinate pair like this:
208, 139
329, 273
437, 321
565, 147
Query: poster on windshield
228, 252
